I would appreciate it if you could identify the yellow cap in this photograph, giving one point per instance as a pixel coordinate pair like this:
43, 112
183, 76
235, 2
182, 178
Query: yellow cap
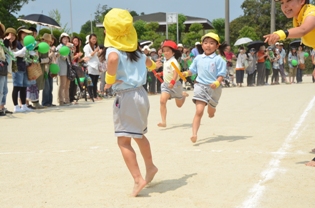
211, 35
120, 32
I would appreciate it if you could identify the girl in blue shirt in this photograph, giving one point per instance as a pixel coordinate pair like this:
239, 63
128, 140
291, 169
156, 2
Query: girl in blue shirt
211, 68
126, 63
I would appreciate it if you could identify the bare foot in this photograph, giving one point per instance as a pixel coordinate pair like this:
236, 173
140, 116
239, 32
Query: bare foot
138, 187
211, 112
193, 138
313, 150
185, 94
150, 174
310, 163
161, 124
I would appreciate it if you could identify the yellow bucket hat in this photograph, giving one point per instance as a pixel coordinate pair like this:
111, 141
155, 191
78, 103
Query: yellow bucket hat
120, 32
211, 35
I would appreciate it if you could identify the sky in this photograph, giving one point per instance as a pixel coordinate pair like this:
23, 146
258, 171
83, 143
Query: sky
83, 9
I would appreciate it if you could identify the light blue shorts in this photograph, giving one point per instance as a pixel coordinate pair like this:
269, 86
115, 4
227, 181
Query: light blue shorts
20, 79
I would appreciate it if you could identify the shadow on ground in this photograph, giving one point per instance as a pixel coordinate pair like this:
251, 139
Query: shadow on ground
185, 126
220, 138
166, 185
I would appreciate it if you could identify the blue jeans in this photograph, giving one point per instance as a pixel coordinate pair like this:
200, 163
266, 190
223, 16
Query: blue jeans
5, 91
2, 81
47, 92
299, 74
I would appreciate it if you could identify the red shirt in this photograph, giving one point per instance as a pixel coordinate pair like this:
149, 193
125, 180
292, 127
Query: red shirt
261, 54
229, 55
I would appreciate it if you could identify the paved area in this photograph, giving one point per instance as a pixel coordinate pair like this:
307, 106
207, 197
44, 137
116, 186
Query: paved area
252, 154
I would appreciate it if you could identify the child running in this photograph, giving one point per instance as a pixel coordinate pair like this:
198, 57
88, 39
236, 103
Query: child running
211, 68
126, 72
171, 87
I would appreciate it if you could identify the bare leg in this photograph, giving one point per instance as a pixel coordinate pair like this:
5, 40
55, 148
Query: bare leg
200, 106
129, 156
211, 111
180, 102
311, 163
145, 149
163, 100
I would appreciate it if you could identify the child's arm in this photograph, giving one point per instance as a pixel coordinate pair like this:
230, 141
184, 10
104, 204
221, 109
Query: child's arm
112, 64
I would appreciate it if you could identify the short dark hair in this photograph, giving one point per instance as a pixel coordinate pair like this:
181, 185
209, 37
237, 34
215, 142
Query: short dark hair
33, 29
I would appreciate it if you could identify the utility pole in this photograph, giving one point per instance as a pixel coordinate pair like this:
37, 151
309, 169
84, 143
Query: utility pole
71, 18
273, 17
227, 21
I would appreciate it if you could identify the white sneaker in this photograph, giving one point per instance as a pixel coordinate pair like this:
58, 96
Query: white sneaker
17, 109
25, 108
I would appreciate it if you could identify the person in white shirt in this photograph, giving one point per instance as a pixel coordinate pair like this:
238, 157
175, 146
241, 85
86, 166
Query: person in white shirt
91, 50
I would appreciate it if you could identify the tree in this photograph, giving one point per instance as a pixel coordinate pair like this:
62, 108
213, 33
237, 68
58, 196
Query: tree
8, 8
193, 35
219, 28
140, 27
55, 14
151, 34
249, 32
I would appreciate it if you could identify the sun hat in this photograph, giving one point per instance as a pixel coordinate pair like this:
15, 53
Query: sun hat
64, 35
197, 43
87, 39
252, 50
23, 29
120, 32
10, 30
277, 43
2, 27
152, 50
47, 37
281, 44
211, 35
170, 44
179, 45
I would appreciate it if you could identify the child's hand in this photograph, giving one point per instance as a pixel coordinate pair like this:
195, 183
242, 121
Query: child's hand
158, 64
107, 86
158, 74
213, 86
171, 86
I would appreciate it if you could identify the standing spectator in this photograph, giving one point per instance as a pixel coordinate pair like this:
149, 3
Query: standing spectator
276, 68
34, 31
301, 64
240, 66
292, 69
76, 52
252, 60
159, 70
146, 51
229, 58
3, 61
10, 41
63, 62
20, 79
47, 95
195, 51
282, 62
152, 84
91, 51
268, 64
261, 54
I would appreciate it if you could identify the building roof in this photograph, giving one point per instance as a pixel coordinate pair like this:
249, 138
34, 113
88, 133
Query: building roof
160, 17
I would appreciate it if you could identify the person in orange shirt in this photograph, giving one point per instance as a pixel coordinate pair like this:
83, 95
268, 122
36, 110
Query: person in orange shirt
261, 57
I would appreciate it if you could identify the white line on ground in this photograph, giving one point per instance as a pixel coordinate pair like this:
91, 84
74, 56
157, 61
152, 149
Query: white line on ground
258, 189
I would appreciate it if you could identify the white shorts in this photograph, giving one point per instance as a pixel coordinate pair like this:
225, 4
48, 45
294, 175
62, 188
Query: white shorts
206, 94
175, 92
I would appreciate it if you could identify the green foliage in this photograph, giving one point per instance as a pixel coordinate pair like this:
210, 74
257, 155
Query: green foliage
249, 32
140, 27
193, 35
219, 28
7, 10
43, 31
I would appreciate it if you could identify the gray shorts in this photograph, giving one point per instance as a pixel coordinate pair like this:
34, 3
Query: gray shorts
205, 94
131, 110
175, 92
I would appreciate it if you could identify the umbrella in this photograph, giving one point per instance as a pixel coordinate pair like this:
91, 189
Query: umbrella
296, 44
40, 19
255, 44
242, 41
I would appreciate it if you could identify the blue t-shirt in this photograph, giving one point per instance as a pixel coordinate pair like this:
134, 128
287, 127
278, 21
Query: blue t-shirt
208, 68
133, 74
